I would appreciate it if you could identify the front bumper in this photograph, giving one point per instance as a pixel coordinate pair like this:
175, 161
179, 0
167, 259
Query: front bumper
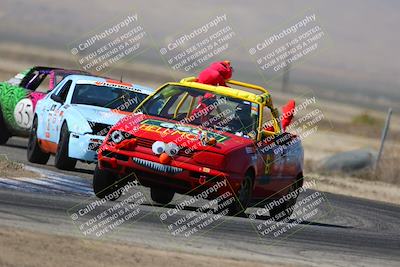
181, 174
84, 146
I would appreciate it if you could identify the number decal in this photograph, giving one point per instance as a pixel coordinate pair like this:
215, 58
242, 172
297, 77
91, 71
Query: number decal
268, 164
23, 113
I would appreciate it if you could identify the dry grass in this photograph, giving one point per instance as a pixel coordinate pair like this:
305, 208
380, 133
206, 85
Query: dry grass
360, 126
356, 187
388, 169
366, 119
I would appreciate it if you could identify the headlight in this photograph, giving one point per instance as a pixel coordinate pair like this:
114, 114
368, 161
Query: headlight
117, 137
172, 149
158, 147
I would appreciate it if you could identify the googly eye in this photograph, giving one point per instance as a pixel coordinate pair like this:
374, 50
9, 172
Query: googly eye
172, 149
117, 137
158, 147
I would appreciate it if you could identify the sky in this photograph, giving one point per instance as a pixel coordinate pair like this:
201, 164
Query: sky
358, 54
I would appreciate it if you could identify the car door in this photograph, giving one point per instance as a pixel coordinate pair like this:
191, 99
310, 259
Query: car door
271, 160
270, 166
54, 111
292, 156
282, 164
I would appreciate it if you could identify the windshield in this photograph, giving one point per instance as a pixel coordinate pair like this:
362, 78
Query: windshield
203, 108
108, 97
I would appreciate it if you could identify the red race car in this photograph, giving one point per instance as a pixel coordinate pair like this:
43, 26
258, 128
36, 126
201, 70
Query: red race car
189, 137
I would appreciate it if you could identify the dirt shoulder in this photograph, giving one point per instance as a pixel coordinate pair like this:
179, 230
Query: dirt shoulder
349, 186
25, 248
10, 169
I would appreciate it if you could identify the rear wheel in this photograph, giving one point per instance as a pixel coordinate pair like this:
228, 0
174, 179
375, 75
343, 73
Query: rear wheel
243, 197
105, 184
161, 195
4, 133
34, 152
62, 161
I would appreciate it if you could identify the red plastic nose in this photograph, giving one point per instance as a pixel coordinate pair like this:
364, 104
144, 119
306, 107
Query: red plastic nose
165, 158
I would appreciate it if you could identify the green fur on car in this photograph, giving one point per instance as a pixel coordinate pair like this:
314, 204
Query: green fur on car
10, 95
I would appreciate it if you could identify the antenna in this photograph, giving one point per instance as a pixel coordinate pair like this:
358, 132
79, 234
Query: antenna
121, 77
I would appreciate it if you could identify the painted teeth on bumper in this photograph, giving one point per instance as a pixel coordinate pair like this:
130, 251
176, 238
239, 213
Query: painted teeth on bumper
157, 166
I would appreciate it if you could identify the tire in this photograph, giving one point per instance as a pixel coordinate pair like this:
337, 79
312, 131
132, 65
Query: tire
4, 133
243, 197
161, 195
285, 210
105, 184
62, 161
34, 152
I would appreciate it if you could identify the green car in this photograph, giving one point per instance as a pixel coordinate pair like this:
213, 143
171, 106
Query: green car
19, 95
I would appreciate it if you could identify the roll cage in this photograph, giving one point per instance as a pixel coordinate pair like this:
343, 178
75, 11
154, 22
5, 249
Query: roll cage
241, 90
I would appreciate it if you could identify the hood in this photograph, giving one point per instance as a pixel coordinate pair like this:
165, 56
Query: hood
99, 114
184, 135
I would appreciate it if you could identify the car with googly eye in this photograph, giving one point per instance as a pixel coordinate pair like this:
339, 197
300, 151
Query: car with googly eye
72, 121
19, 95
190, 138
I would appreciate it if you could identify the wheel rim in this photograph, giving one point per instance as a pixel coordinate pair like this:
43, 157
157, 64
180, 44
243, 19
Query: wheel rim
244, 192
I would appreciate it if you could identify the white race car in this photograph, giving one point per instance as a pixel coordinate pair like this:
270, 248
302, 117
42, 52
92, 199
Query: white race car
73, 120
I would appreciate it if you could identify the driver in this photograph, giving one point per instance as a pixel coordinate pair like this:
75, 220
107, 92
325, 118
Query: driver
242, 120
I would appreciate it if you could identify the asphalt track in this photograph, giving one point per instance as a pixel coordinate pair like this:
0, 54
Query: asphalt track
345, 231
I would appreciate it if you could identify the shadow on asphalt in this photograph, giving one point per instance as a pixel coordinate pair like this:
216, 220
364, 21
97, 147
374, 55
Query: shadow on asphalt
16, 146
80, 170
263, 218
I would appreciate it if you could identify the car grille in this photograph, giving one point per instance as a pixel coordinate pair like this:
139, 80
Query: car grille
101, 129
109, 154
157, 166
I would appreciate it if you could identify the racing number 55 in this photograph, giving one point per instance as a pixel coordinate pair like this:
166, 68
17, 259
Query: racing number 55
23, 113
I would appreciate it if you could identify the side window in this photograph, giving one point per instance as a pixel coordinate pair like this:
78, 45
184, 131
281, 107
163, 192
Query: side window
44, 84
63, 92
267, 119
34, 80
270, 123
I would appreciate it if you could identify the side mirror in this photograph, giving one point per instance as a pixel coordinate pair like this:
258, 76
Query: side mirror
56, 98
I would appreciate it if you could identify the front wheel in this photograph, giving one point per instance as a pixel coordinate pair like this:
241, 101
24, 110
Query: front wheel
34, 152
243, 197
4, 133
105, 184
161, 195
285, 210
62, 161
